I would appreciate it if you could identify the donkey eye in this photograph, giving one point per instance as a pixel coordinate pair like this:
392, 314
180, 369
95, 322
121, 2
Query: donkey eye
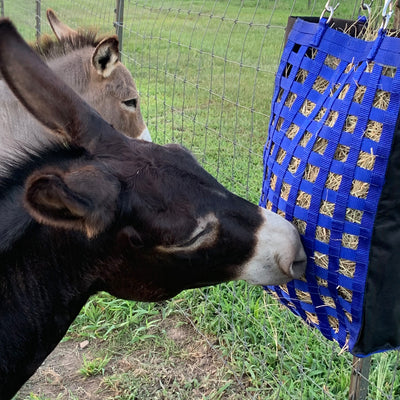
132, 103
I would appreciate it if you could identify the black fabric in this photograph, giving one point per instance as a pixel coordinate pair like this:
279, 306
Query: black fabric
381, 316
352, 28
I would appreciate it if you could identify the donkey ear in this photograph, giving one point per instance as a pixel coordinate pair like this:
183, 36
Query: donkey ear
60, 29
83, 199
105, 56
51, 101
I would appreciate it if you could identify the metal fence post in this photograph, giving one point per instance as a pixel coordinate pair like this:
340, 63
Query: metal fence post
119, 11
38, 18
359, 378
2, 8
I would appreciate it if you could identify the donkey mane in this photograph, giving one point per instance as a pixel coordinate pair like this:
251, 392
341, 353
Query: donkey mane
49, 48
17, 169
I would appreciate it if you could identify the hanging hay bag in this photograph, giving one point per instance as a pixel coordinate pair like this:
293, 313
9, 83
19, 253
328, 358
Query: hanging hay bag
332, 167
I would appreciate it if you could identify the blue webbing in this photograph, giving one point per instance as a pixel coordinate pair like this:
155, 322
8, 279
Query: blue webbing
346, 64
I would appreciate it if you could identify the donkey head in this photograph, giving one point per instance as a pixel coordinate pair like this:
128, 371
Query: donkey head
166, 224
111, 89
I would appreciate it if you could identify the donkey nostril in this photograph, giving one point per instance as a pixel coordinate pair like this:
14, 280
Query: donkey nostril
299, 265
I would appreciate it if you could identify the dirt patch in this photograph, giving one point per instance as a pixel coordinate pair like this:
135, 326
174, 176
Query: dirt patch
59, 376
173, 362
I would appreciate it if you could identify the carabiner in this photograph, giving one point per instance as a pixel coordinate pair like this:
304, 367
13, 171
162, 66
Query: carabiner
386, 15
366, 7
328, 8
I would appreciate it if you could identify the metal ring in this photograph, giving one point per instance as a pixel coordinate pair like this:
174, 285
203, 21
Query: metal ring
386, 15
328, 8
366, 7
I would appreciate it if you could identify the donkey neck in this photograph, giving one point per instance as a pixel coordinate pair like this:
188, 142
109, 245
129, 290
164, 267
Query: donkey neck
43, 286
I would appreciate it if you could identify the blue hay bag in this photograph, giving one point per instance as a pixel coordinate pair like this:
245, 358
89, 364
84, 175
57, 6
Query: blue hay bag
332, 167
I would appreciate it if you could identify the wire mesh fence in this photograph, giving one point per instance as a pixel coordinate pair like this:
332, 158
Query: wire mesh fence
205, 71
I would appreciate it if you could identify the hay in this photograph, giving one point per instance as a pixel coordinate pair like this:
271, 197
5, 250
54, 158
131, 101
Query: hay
333, 181
347, 267
321, 259
341, 153
281, 213
320, 84
374, 130
322, 234
389, 71
300, 225
332, 61
285, 191
359, 94
305, 139
303, 199
350, 241
311, 173
292, 131
279, 123
320, 145
301, 75
307, 108
344, 91
359, 189
334, 323
346, 294
327, 208
272, 182
280, 94
366, 160
312, 318
290, 99
294, 165
350, 123
280, 156
320, 114
353, 215
332, 118
381, 99
311, 53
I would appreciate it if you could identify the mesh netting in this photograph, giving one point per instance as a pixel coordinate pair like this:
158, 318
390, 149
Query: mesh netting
333, 116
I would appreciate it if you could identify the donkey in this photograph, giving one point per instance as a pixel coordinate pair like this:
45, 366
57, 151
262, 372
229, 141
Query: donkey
99, 211
91, 67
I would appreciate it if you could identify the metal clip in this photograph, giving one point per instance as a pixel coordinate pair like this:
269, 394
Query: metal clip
367, 7
330, 9
386, 14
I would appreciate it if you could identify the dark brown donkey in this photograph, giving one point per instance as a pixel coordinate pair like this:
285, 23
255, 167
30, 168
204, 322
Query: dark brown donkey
103, 211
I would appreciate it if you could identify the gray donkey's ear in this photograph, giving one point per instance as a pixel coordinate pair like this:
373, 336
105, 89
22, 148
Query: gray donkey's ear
50, 100
60, 29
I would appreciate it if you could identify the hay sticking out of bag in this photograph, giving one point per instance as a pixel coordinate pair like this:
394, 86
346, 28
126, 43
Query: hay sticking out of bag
290, 99
320, 84
294, 165
307, 108
285, 191
301, 75
292, 131
381, 99
353, 215
305, 139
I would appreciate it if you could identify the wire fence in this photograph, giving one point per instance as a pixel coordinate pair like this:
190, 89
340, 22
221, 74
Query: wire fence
205, 71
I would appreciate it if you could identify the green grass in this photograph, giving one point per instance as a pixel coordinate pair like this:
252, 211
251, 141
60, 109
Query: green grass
206, 81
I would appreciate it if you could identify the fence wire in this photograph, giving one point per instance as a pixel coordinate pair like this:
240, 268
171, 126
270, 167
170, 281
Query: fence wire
205, 71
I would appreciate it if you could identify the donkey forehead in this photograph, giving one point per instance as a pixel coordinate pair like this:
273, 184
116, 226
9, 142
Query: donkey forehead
169, 178
120, 83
